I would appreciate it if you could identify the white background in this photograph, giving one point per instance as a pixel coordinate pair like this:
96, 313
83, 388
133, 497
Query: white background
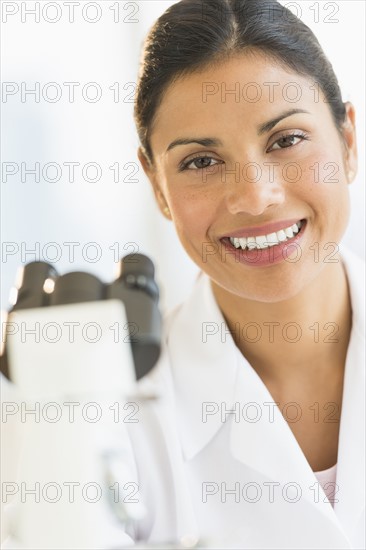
108, 213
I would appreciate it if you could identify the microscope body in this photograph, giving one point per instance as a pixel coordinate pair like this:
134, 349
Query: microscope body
75, 374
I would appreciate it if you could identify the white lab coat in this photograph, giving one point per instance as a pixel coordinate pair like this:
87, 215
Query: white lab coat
240, 481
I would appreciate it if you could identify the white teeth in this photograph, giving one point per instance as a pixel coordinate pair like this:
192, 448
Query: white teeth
289, 232
264, 241
281, 235
251, 244
261, 241
243, 242
272, 239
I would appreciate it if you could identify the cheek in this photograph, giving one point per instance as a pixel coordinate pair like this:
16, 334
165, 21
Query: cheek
324, 188
193, 213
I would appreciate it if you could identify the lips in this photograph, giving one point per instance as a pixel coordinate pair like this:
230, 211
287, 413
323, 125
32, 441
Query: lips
261, 230
277, 247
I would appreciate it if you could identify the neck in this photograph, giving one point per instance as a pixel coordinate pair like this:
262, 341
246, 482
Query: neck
306, 334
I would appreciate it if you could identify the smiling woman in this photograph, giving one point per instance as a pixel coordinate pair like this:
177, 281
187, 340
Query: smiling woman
250, 150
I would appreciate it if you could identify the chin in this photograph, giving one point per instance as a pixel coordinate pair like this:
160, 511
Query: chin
273, 296
269, 295
271, 289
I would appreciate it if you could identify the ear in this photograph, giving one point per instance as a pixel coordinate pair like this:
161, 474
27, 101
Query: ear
152, 175
350, 142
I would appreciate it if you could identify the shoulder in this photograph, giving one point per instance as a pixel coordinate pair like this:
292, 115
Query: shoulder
355, 271
352, 261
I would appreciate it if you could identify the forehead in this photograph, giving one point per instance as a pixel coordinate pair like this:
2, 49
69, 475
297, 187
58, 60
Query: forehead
239, 92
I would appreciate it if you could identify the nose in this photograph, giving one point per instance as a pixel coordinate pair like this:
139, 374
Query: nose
254, 191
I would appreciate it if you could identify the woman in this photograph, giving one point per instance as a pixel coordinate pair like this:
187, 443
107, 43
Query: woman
250, 150
257, 438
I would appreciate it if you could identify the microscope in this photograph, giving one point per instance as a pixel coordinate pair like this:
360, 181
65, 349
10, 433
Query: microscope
74, 349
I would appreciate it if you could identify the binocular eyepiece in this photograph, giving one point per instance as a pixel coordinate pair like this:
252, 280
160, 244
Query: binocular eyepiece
40, 285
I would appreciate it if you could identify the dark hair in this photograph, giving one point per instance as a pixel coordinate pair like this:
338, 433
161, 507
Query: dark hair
195, 34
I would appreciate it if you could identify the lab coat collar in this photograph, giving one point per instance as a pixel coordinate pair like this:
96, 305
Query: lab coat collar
204, 367
210, 369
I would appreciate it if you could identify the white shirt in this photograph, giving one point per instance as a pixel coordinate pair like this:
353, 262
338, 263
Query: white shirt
240, 479
327, 479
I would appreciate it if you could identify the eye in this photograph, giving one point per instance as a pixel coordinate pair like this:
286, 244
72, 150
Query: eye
200, 162
287, 141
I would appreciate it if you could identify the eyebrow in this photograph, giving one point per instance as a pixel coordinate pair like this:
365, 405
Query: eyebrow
211, 141
267, 126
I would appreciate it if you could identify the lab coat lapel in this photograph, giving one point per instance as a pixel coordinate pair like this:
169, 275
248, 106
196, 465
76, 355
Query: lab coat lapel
263, 441
203, 367
351, 450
